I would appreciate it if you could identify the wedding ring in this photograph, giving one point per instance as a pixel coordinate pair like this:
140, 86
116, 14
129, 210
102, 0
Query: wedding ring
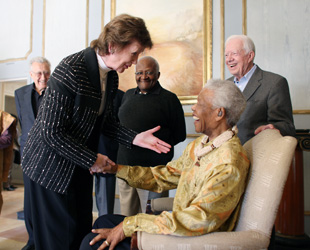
108, 244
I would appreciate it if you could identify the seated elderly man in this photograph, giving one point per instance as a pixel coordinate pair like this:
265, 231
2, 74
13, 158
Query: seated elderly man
210, 177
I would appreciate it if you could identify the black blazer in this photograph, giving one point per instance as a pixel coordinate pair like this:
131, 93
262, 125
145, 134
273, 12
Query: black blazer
25, 112
59, 140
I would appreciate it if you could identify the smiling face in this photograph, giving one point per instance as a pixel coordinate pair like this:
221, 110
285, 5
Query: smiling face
146, 74
237, 61
40, 73
205, 116
122, 59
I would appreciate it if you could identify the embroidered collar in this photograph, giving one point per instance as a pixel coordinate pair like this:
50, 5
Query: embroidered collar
202, 149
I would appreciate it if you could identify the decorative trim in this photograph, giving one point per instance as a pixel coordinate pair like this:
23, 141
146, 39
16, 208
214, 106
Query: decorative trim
304, 142
208, 37
14, 80
188, 100
87, 24
301, 112
193, 135
244, 17
222, 39
43, 28
102, 15
31, 36
113, 8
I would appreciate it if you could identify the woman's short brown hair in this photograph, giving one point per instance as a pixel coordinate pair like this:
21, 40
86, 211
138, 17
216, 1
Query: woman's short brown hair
121, 31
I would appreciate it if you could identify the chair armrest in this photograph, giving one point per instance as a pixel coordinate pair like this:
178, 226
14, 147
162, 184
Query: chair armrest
162, 204
249, 240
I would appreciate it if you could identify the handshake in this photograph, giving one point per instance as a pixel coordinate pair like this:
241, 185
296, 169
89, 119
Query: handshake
103, 165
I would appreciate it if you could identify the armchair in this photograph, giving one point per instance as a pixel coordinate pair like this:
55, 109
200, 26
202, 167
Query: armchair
271, 155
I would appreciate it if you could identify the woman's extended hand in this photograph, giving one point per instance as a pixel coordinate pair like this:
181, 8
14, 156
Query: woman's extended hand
146, 139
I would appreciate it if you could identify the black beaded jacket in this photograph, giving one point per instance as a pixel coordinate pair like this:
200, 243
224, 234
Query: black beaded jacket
60, 137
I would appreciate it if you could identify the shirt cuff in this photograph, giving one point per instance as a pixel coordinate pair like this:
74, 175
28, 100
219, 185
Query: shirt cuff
129, 225
122, 171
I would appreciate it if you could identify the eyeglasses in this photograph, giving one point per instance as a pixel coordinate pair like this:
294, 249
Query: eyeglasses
39, 74
148, 73
233, 53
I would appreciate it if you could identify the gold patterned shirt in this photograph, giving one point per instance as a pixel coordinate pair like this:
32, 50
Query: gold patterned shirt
208, 194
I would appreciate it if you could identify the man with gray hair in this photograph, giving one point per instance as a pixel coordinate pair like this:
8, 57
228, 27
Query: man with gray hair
28, 99
210, 174
267, 94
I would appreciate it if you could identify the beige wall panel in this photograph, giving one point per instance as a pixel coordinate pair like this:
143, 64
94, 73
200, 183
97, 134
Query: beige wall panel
280, 30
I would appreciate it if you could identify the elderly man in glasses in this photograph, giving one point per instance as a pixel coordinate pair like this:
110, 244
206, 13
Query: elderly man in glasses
28, 100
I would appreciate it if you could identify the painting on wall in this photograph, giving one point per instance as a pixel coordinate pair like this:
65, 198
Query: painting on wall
176, 29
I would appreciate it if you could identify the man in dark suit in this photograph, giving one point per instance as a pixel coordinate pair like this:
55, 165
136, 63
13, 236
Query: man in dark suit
28, 99
268, 98
267, 94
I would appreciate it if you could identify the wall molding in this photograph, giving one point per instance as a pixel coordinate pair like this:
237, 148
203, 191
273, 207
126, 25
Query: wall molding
31, 40
43, 27
301, 112
244, 17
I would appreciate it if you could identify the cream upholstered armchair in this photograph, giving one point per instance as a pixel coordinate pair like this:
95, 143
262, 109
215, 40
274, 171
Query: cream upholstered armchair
271, 156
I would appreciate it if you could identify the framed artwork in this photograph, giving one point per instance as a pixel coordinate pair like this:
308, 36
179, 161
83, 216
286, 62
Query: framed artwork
181, 32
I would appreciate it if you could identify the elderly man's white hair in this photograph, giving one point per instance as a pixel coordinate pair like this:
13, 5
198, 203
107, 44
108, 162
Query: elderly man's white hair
40, 59
248, 44
228, 96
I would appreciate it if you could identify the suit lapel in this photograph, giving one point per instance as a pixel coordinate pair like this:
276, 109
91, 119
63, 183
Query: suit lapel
253, 84
28, 100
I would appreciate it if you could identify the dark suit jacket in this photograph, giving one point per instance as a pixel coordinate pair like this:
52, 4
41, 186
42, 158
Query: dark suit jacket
107, 145
65, 129
268, 102
25, 112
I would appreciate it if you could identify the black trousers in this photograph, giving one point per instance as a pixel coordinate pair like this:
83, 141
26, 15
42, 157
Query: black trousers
105, 193
60, 221
105, 221
27, 209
